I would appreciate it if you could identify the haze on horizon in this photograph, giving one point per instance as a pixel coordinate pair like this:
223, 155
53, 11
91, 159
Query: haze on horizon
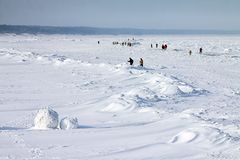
145, 14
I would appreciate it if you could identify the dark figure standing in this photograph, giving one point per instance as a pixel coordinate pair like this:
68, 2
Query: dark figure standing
151, 46
98, 42
130, 61
190, 52
200, 50
163, 47
141, 62
156, 45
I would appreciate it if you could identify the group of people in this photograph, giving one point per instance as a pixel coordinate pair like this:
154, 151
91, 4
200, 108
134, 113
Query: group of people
164, 46
129, 44
125, 43
131, 61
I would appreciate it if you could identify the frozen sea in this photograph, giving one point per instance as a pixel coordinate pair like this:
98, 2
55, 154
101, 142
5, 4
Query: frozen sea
176, 107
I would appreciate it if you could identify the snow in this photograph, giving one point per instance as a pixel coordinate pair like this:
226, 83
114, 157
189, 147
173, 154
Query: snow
175, 107
46, 118
69, 123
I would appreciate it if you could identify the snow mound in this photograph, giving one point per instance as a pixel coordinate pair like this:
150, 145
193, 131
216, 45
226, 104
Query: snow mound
46, 118
69, 123
155, 88
144, 93
170, 89
203, 134
227, 50
119, 103
171, 86
184, 137
133, 100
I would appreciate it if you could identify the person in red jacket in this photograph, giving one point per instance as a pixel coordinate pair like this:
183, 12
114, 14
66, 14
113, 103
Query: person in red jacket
165, 46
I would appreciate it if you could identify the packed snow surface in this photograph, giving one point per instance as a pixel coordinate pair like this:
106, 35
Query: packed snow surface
176, 107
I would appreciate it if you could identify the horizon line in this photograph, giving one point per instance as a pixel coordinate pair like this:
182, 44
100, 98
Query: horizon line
122, 28
85, 30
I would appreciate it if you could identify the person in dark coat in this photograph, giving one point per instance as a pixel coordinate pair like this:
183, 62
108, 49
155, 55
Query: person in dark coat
156, 45
190, 52
130, 61
141, 62
200, 50
151, 46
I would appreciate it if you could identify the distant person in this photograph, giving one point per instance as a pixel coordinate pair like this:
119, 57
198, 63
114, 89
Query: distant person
98, 42
190, 52
130, 61
151, 46
200, 50
141, 62
165, 46
156, 45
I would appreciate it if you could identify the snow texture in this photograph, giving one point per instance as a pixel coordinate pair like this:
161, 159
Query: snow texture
46, 118
69, 123
176, 107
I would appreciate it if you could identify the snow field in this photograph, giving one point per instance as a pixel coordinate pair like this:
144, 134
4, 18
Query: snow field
175, 107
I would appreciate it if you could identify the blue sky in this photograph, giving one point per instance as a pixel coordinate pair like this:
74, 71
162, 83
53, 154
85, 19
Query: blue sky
146, 14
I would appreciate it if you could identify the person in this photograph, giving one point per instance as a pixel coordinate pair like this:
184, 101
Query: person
141, 62
156, 45
200, 50
98, 42
165, 46
130, 61
190, 52
151, 46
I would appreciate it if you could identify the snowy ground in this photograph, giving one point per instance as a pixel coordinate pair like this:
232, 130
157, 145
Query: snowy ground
176, 107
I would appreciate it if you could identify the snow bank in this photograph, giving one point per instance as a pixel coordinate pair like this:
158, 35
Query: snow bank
132, 100
156, 87
171, 86
46, 118
69, 123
